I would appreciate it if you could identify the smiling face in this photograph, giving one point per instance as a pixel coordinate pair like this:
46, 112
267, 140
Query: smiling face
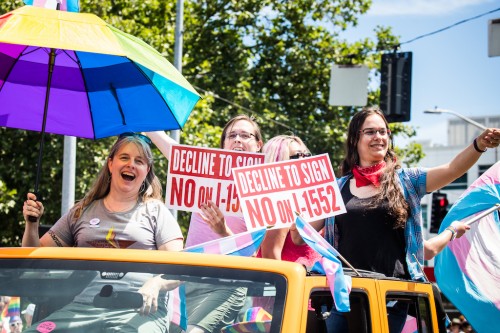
128, 168
372, 148
241, 136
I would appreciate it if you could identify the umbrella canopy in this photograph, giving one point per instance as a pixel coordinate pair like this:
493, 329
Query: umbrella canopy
104, 82
73, 74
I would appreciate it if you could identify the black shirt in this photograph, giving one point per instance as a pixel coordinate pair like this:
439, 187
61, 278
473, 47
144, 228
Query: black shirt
365, 236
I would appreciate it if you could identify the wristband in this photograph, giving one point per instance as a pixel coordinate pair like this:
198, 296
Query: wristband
453, 231
476, 147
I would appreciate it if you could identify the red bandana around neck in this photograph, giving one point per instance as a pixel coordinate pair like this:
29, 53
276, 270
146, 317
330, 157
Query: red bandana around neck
369, 175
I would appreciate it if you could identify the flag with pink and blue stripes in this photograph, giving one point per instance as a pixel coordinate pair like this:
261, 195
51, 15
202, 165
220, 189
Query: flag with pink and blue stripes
65, 5
243, 244
330, 265
467, 270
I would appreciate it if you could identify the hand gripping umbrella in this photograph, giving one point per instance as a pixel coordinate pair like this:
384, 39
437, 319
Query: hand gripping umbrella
73, 74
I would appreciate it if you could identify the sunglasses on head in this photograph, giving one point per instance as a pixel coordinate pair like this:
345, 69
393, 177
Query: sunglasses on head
300, 155
136, 135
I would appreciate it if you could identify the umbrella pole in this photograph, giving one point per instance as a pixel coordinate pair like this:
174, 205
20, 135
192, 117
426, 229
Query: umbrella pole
52, 60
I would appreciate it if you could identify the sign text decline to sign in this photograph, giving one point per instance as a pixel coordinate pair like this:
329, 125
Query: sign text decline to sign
271, 193
196, 175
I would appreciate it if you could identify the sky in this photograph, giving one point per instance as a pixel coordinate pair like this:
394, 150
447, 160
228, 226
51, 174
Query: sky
451, 69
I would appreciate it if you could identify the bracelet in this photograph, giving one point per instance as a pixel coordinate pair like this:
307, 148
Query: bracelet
453, 231
476, 147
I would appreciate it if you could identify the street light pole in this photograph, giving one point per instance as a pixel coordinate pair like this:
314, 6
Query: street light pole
179, 30
464, 118
470, 121
69, 167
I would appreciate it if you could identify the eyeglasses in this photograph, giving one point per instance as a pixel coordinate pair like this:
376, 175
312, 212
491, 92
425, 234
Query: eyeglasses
300, 155
373, 131
136, 135
244, 136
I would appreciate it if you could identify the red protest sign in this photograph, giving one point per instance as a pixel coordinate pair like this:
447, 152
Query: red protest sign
271, 193
196, 175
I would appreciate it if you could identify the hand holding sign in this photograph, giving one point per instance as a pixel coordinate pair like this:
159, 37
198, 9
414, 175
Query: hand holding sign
197, 175
213, 216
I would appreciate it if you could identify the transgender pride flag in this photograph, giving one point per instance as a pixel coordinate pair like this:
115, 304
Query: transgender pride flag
468, 269
329, 264
243, 244
65, 5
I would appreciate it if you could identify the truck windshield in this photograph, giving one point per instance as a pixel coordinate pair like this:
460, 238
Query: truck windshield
67, 293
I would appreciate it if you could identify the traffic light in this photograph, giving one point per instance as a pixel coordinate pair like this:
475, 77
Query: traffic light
438, 210
395, 86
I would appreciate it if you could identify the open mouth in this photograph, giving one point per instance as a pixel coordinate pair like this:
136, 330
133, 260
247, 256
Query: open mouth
128, 176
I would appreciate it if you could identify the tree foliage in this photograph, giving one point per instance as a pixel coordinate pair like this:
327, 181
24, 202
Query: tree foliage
267, 58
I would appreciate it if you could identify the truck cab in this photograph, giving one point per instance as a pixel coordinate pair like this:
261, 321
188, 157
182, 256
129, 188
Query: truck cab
293, 298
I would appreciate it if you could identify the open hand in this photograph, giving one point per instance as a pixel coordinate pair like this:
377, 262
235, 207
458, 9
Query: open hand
213, 216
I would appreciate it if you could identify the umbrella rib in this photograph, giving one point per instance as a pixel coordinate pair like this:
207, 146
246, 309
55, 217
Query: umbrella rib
115, 95
12, 67
79, 63
34, 49
69, 56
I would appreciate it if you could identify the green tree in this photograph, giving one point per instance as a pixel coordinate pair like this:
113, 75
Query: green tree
267, 58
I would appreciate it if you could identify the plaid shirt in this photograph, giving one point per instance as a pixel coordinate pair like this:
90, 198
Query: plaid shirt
413, 182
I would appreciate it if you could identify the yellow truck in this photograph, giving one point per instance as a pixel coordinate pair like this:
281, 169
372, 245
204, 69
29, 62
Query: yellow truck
293, 299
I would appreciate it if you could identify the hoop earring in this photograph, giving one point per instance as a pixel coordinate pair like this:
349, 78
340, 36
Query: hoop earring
143, 187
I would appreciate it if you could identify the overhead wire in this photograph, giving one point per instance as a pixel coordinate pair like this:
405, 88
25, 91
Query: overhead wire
406, 42
242, 107
449, 27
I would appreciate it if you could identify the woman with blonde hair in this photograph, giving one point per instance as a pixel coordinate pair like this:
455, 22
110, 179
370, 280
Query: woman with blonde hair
278, 243
125, 200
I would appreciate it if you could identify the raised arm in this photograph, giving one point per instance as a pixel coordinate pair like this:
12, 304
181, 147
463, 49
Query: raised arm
162, 141
442, 175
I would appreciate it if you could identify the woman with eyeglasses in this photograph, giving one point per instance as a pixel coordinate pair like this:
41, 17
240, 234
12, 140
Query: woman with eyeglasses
277, 243
241, 133
125, 200
211, 309
382, 229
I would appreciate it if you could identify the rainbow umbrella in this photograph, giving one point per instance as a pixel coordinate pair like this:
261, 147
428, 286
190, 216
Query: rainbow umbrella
73, 74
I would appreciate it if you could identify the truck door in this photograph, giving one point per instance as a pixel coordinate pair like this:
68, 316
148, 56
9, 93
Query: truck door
406, 307
363, 304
